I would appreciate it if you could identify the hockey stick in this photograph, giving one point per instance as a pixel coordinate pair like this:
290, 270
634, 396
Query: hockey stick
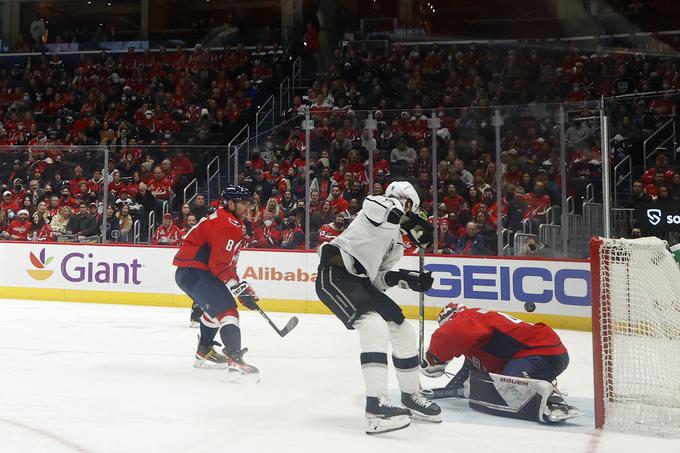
290, 325
421, 308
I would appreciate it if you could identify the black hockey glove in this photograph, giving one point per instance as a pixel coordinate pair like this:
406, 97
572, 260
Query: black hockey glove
418, 229
417, 281
245, 294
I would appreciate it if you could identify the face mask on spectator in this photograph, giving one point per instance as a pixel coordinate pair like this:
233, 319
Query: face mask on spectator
267, 223
38, 98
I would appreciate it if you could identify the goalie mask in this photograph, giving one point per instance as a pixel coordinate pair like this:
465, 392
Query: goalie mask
448, 312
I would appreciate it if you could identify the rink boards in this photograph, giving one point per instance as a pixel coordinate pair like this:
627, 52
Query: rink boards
284, 280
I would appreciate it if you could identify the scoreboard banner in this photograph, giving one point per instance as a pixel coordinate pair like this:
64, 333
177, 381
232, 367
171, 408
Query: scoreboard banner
284, 280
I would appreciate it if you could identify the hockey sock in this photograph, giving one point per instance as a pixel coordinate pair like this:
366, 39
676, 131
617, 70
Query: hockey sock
373, 336
405, 356
230, 332
208, 328
231, 338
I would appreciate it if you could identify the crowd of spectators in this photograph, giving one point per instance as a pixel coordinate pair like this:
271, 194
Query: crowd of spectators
161, 115
401, 86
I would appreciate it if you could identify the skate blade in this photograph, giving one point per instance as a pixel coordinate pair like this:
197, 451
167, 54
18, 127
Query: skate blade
243, 378
559, 417
378, 425
207, 365
425, 418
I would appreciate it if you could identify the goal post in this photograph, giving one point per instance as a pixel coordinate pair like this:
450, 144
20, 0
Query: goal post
636, 335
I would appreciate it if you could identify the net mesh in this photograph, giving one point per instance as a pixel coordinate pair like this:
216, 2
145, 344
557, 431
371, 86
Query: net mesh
640, 335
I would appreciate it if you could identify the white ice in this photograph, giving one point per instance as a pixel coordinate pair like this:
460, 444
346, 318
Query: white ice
115, 378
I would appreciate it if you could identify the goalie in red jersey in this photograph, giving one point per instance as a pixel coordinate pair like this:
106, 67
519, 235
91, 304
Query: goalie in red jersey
206, 272
510, 364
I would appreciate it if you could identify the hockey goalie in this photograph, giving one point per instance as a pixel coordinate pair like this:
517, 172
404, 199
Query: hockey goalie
510, 365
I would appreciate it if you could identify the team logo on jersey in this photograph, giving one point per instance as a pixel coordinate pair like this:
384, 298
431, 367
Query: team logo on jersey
654, 216
39, 263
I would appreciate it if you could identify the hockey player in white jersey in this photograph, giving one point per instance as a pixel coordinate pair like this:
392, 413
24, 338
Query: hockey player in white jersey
354, 271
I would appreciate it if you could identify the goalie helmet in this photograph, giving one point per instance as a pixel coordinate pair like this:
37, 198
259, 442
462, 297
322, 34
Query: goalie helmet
403, 191
448, 312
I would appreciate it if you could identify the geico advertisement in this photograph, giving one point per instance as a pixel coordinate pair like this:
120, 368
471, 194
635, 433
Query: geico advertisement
556, 287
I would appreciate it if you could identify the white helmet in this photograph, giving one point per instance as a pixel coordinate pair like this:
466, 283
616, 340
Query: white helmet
402, 191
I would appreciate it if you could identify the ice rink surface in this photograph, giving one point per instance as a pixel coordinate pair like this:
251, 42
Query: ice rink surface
116, 378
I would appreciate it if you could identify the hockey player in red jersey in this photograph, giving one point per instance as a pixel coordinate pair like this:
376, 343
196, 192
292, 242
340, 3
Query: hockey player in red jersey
498, 343
497, 346
207, 273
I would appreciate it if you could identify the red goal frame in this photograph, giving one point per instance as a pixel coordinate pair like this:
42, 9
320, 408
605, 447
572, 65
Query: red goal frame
596, 306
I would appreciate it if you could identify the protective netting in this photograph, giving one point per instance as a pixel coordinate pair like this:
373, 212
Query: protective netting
640, 335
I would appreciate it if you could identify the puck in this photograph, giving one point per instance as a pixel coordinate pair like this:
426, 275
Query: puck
529, 306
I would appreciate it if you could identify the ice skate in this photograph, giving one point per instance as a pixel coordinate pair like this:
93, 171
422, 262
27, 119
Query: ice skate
384, 417
239, 370
558, 411
208, 357
421, 408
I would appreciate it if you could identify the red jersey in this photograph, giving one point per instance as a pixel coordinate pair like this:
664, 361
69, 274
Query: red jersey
160, 189
491, 339
213, 244
266, 237
536, 205
19, 229
338, 204
327, 233
171, 235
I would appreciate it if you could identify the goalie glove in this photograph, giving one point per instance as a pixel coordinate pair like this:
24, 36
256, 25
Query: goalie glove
418, 229
414, 280
245, 294
431, 367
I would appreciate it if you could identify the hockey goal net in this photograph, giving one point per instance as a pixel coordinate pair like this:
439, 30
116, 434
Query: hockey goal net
636, 335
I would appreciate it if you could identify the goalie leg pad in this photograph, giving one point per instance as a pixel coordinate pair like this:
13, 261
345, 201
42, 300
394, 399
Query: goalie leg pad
509, 396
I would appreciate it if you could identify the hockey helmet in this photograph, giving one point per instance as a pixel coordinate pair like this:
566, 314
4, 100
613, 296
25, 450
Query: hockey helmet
448, 312
403, 191
236, 193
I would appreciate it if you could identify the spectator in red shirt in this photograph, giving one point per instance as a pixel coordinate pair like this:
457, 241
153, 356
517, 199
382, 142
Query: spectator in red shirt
167, 233
267, 235
338, 203
537, 203
8, 203
332, 230
159, 186
18, 228
40, 230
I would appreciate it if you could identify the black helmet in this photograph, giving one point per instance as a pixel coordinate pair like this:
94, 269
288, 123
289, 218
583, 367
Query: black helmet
236, 193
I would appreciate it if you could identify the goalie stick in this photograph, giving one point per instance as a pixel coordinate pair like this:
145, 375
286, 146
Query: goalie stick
290, 325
